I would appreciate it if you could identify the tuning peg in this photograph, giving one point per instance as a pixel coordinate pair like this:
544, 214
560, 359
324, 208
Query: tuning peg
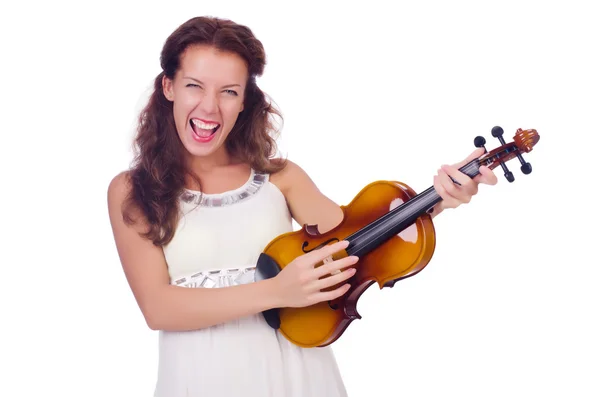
497, 133
525, 167
479, 141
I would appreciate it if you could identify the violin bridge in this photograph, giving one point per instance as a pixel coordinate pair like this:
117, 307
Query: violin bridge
328, 260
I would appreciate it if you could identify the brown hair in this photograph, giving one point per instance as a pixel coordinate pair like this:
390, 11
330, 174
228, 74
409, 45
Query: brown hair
158, 173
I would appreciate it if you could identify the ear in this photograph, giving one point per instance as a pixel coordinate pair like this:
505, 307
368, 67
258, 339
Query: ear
167, 85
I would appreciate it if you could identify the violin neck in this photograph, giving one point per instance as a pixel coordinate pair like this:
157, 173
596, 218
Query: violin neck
378, 232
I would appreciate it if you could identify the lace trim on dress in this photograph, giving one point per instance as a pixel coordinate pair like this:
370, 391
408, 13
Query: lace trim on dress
253, 185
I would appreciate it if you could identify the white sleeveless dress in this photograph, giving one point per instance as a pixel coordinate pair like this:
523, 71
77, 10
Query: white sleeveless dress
217, 245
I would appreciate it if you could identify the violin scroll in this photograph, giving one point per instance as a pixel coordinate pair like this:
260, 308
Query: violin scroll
524, 141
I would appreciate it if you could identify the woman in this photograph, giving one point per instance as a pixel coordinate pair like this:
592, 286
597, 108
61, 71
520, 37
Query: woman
202, 200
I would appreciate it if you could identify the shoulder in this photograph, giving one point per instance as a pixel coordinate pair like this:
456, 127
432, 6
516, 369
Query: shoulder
119, 188
120, 206
119, 182
290, 176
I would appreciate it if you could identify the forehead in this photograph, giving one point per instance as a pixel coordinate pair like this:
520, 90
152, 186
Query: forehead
210, 65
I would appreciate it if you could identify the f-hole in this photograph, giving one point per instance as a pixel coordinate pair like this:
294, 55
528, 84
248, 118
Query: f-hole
324, 243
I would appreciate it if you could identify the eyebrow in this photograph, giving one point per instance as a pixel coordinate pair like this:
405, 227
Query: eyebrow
198, 81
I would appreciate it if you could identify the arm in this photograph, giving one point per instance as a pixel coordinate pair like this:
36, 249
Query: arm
306, 202
168, 307
309, 206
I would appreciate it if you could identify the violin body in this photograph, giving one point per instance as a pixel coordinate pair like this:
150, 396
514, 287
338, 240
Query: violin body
403, 255
388, 227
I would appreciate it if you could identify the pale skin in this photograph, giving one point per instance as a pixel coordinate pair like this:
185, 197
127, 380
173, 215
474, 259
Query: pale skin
210, 86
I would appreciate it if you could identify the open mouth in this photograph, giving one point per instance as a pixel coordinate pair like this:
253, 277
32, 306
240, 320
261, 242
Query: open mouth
204, 130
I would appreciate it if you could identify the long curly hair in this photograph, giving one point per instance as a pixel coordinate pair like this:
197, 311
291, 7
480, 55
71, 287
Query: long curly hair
158, 173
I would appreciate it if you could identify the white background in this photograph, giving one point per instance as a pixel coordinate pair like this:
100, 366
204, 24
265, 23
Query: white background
369, 90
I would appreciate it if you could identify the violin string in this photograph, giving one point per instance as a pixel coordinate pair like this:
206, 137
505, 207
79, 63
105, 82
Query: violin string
470, 169
389, 221
399, 214
388, 224
363, 238
392, 214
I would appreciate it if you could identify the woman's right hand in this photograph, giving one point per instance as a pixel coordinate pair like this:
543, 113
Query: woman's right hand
301, 283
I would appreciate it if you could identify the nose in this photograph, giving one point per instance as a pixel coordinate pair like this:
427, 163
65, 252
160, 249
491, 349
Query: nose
209, 102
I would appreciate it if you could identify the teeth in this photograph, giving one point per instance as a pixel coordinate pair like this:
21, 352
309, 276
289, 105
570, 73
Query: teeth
205, 126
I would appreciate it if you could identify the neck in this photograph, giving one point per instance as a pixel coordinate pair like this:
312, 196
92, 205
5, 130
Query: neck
376, 233
207, 164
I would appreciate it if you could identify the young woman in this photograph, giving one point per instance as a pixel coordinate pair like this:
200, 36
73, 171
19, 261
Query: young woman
201, 202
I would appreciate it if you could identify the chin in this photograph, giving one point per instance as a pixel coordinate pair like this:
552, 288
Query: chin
198, 148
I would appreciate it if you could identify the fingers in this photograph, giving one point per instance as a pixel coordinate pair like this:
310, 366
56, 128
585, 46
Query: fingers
487, 176
331, 281
467, 185
335, 266
476, 153
441, 190
331, 295
456, 194
318, 255
331, 274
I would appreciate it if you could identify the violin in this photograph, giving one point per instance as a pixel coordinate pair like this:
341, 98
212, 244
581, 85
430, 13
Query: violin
389, 228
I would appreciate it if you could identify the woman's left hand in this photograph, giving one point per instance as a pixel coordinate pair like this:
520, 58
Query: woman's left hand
454, 195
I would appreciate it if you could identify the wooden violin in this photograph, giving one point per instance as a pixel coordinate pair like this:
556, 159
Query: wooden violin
389, 228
